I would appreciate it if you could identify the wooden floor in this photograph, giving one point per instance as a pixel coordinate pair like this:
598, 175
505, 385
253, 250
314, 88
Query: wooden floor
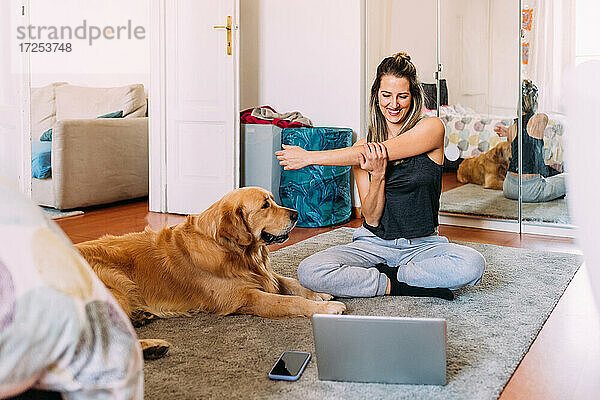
562, 363
449, 181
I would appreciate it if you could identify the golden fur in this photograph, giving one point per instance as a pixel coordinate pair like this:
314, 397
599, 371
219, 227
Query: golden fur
214, 262
487, 169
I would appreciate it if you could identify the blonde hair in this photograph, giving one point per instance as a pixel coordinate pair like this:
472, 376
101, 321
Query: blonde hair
400, 66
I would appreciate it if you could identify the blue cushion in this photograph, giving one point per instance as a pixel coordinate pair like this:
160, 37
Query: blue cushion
40, 159
46, 136
116, 114
320, 194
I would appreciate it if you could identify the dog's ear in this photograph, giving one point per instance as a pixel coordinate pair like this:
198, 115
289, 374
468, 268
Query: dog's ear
233, 226
499, 154
505, 153
496, 154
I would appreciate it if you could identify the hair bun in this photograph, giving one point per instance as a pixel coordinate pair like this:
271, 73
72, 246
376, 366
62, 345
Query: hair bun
402, 56
528, 86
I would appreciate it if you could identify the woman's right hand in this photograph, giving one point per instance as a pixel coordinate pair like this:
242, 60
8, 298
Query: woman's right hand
292, 157
374, 159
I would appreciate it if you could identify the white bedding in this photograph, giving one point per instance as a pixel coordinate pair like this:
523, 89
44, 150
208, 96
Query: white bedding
60, 328
469, 134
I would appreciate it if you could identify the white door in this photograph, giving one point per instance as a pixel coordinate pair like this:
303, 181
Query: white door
201, 103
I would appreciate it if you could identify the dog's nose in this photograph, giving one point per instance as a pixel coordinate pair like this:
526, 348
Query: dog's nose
294, 215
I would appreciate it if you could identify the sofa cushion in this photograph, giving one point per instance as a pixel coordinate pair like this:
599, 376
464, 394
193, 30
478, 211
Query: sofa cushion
78, 102
43, 108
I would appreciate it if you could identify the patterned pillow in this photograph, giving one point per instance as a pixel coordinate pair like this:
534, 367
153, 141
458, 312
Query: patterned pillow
60, 328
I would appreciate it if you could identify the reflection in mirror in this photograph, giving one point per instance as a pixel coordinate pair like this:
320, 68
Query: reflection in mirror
479, 53
546, 54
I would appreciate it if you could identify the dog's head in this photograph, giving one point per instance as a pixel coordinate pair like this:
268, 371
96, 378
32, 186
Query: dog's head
501, 153
250, 215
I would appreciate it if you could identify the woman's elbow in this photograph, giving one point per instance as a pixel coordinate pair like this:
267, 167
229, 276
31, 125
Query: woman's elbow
371, 218
374, 223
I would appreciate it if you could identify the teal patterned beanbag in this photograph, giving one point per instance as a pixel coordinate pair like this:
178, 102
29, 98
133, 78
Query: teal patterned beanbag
320, 194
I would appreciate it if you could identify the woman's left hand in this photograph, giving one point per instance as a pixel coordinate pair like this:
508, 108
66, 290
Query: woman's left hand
374, 160
292, 157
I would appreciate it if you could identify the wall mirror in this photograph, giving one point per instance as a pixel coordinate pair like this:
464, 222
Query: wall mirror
473, 58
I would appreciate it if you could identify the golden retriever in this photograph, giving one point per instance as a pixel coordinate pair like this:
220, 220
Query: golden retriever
215, 262
487, 169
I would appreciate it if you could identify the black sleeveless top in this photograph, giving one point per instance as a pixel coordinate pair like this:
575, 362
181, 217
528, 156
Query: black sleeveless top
412, 199
533, 154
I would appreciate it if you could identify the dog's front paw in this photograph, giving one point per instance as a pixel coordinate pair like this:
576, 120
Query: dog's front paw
140, 318
316, 296
325, 296
154, 348
333, 307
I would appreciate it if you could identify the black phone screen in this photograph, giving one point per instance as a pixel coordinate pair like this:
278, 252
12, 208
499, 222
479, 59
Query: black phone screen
289, 363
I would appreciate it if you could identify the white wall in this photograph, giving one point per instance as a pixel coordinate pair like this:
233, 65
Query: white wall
106, 62
303, 55
307, 56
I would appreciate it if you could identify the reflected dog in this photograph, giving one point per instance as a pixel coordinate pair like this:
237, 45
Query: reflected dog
487, 169
215, 262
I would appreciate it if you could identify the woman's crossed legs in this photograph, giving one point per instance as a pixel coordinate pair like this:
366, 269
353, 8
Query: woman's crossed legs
429, 262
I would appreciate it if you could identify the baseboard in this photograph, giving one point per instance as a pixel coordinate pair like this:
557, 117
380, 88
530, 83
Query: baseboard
495, 224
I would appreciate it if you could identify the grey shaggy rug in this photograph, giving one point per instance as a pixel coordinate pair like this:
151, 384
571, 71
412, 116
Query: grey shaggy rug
490, 328
475, 200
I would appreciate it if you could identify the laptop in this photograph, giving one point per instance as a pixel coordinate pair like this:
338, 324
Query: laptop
380, 349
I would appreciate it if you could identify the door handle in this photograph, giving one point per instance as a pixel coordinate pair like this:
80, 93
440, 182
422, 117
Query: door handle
228, 29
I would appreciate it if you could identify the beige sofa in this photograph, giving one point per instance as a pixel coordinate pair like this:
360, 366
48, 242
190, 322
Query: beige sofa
94, 161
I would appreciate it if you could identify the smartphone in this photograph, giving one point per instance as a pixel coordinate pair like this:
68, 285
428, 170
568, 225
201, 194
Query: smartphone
290, 365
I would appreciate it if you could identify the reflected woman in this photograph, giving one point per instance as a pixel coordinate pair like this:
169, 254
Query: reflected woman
398, 171
540, 182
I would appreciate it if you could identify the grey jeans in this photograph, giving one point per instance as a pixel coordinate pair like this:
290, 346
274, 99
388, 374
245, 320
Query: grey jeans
535, 189
430, 261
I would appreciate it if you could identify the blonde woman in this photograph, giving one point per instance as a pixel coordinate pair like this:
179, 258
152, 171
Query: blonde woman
397, 251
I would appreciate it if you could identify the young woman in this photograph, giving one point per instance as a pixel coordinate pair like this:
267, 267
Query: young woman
540, 183
397, 251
